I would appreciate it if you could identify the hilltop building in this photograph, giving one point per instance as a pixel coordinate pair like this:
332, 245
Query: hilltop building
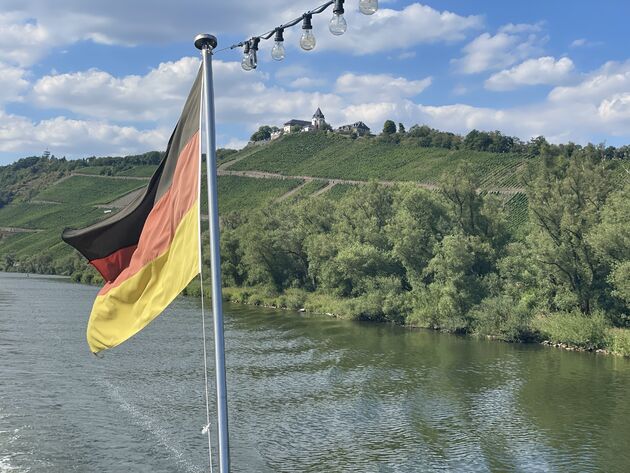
318, 122
359, 128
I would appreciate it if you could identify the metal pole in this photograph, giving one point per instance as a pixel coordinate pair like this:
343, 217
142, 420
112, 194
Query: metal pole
206, 43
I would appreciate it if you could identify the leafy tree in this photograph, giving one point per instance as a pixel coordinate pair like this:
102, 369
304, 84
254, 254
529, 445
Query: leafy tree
401, 128
263, 134
565, 202
389, 127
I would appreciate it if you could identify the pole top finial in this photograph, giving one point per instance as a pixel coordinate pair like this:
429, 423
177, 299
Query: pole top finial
205, 40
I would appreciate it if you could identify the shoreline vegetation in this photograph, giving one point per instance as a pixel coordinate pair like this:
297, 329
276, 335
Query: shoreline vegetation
456, 257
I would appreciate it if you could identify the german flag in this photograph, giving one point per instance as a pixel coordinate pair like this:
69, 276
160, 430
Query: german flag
149, 251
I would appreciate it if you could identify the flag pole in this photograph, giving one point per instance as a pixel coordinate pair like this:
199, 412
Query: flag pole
206, 43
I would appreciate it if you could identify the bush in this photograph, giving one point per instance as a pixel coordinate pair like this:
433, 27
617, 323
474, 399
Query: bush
620, 341
575, 329
500, 317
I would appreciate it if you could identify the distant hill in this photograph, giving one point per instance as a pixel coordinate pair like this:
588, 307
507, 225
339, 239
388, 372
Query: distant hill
39, 196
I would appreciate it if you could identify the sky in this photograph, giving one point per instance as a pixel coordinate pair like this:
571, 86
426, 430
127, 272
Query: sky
109, 78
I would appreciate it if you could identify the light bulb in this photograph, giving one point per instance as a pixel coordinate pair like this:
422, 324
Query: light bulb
246, 63
307, 41
253, 58
338, 25
368, 7
277, 52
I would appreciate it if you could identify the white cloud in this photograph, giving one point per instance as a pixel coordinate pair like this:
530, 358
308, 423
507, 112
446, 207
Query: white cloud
235, 144
76, 137
156, 96
12, 83
598, 105
391, 29
379, 87
583, 42
306, 83
511, 44
544, 70
612, 78
579, 43
31, 28
22, 40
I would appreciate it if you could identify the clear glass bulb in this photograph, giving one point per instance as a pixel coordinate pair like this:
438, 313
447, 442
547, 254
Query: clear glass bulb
246, 62
277, 52
253, 59
307, 41
368, 7
338, 25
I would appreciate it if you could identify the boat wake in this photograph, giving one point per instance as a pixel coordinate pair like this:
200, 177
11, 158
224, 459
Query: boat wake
149, 424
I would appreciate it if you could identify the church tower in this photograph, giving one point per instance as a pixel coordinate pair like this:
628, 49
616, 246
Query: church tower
318, 120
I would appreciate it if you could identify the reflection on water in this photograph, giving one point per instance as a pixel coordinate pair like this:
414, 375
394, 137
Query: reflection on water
307, 394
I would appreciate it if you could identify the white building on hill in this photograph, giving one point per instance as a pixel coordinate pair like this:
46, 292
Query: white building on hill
318, 122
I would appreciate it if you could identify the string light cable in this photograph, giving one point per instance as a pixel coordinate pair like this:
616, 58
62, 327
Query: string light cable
337, 27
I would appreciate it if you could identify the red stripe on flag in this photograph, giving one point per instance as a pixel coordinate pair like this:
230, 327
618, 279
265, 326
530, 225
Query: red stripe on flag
111, 266
167, 213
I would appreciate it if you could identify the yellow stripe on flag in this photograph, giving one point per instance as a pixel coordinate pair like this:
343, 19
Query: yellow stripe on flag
126, 309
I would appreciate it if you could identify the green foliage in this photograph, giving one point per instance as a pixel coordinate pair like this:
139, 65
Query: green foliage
88, 190
263, 133
338, 157
575, 329
566, 198
619, 341
246, 193
389, 127
500, 317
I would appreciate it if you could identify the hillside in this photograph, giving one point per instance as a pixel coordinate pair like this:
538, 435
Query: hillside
340, 157
45, 195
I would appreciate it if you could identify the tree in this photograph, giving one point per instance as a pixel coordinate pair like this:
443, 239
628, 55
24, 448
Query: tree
389, 127
263, 134
566, 197
401, 128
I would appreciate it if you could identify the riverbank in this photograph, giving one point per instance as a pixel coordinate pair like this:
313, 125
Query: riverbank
567, 331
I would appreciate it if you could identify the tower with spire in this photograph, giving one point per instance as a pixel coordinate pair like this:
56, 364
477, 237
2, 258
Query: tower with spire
318, 120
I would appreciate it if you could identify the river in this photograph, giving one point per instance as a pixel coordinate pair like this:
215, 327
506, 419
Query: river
306, 394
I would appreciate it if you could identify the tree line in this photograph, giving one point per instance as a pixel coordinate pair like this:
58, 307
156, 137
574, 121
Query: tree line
448, 259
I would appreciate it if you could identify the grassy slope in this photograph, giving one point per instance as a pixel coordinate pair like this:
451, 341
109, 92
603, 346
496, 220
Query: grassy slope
88, 190
334, 156
78, 196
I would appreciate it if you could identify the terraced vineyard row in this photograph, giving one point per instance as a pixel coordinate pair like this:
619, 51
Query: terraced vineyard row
88, 190
518, 211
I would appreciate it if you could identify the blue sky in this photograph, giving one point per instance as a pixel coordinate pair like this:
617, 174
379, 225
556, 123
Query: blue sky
109, 78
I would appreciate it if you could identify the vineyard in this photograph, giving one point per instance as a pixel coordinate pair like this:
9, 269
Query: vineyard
335, 156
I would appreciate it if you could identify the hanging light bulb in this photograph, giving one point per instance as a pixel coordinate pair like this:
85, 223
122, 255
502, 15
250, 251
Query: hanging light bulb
307, 41
278, 52
253, 52
246, 61
338, 25
368, 7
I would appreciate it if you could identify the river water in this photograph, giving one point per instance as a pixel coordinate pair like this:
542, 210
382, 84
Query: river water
306, 394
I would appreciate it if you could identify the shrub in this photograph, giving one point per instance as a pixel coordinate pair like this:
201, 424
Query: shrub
575, 329
501, 318
620, 341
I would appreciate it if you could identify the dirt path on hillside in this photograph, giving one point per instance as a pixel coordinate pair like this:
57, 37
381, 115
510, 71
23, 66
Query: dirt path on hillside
293, 191
18, 230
